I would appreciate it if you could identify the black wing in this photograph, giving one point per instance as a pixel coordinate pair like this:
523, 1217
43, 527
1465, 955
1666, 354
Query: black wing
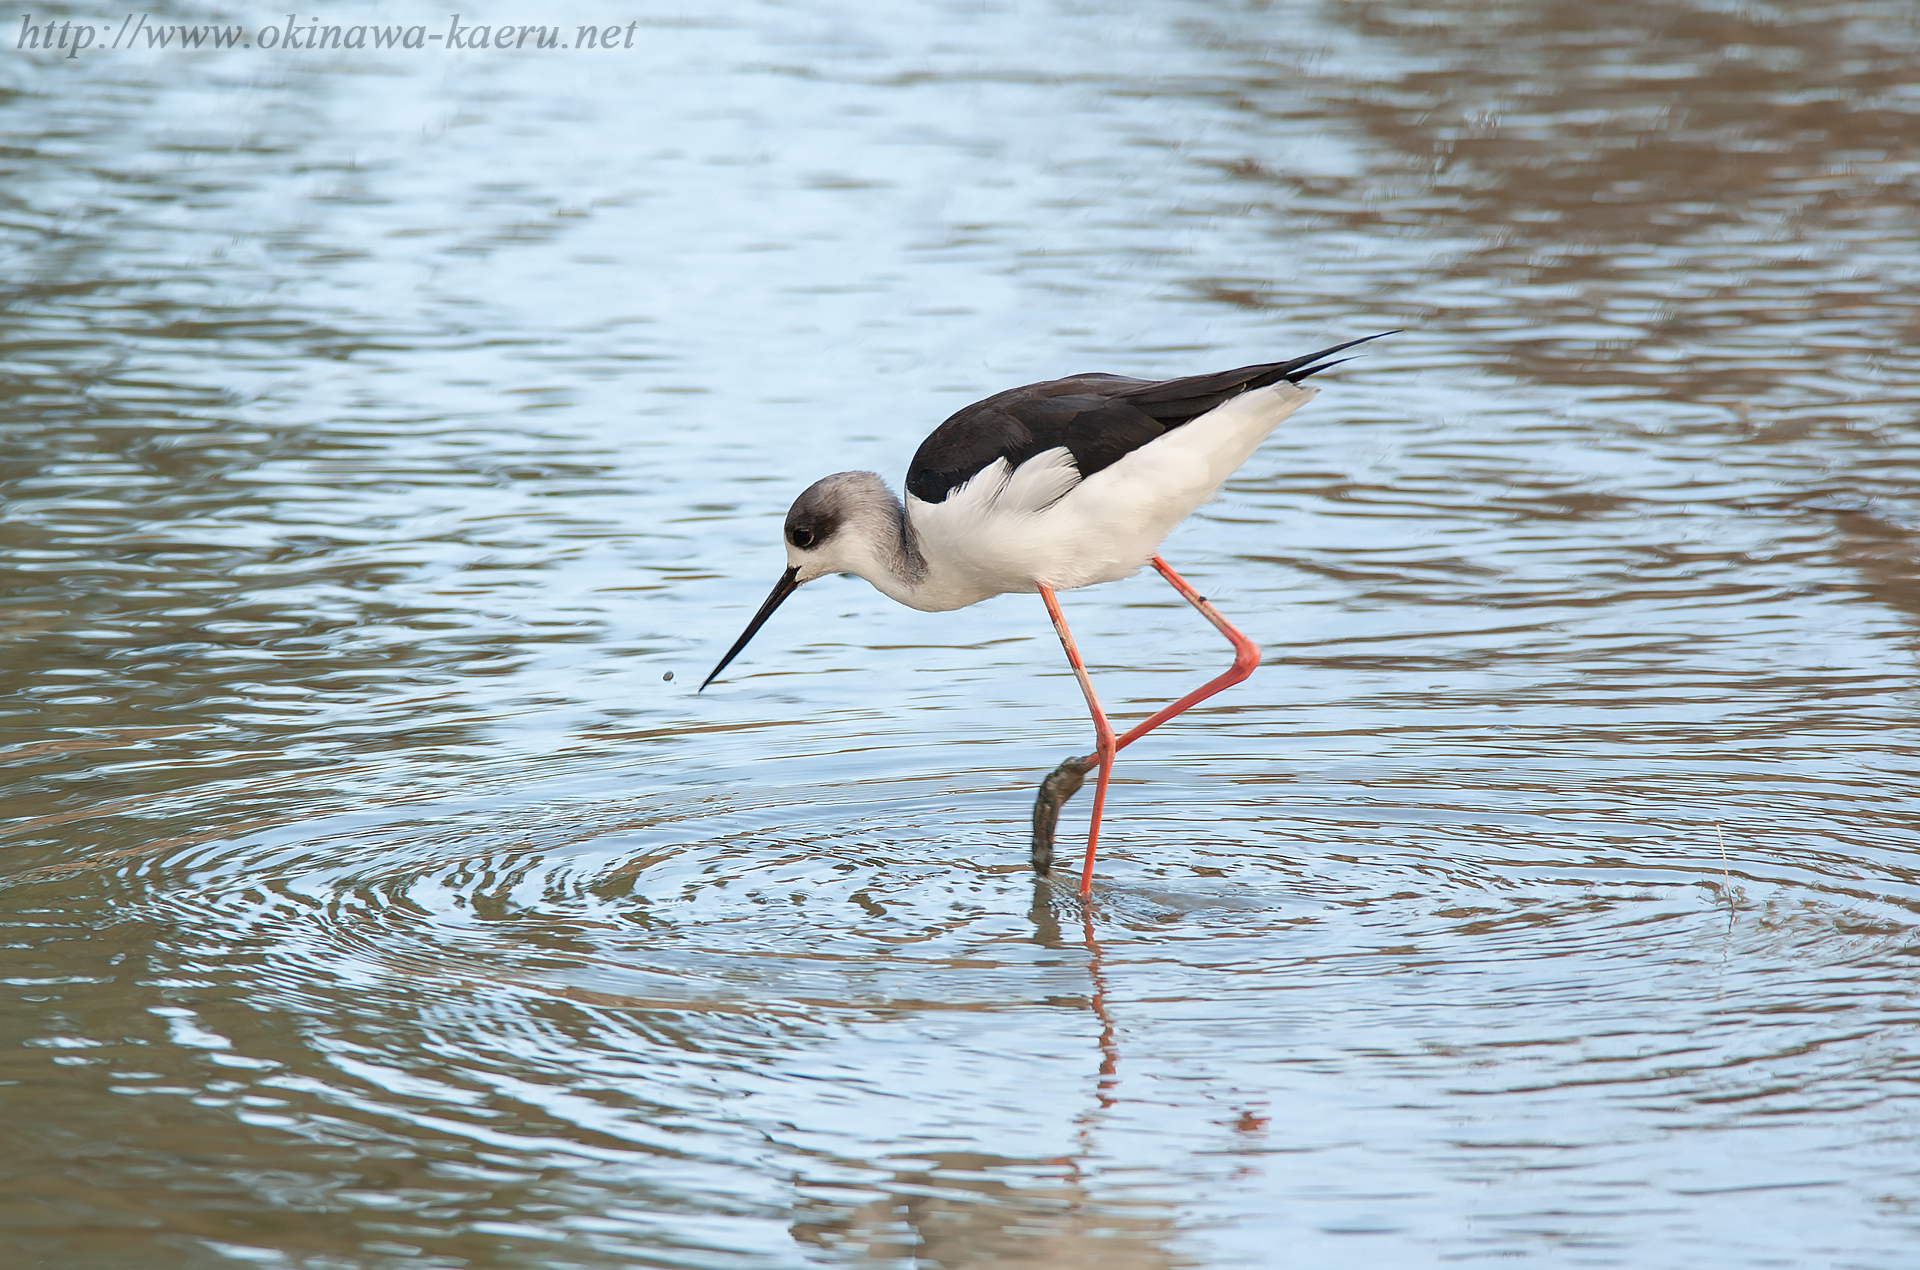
1100, 419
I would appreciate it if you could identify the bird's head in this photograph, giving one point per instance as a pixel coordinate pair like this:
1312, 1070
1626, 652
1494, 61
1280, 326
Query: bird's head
835, 526
830, 526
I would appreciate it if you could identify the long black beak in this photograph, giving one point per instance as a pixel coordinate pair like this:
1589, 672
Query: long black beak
786, 586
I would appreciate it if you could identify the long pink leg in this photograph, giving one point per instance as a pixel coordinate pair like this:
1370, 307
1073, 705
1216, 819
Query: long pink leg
1246, 655
1102, 731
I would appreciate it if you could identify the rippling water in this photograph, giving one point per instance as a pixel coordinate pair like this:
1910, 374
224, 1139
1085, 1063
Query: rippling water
378, 431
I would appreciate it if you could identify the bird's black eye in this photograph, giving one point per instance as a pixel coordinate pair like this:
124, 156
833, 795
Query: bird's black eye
801, 538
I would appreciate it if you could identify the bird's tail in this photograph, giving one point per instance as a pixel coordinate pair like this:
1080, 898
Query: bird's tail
1196, 394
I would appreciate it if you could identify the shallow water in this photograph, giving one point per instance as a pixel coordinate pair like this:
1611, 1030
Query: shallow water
379, 429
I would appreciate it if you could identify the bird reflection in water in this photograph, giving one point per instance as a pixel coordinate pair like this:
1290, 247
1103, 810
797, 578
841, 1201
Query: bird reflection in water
957, 1208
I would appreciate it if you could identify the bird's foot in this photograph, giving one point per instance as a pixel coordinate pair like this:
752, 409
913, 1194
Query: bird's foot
1061, 784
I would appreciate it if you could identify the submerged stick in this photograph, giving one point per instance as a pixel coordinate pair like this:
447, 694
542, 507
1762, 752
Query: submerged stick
1061, 784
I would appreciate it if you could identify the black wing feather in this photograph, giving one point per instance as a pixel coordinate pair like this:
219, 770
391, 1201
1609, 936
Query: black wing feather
1099, 419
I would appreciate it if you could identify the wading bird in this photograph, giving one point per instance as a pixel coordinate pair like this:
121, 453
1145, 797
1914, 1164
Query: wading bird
1045, 488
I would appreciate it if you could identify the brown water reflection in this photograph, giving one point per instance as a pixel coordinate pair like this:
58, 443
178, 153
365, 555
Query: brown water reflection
377, 433
1653, 191
970, 1210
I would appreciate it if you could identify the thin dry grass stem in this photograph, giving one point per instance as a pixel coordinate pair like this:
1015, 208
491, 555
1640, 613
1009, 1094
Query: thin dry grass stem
1726, 878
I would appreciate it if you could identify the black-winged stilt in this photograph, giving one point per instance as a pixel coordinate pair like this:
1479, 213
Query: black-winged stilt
1044, 488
